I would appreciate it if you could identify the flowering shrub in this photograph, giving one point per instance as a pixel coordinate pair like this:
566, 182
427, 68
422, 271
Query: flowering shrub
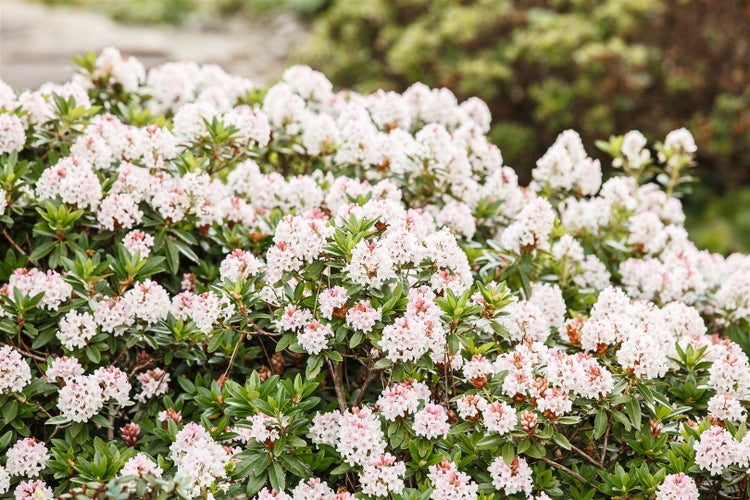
218, 291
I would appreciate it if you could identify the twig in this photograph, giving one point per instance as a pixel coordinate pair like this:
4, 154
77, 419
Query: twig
16, 245
371, 374
234, 355
335, 370
585, 456
139, 367
556, 465
24, 349
604, 448
111, 418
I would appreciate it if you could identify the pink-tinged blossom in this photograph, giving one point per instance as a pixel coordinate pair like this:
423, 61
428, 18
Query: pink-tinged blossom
115, 384
27, 458
73, 181
730, 371
549, 300
81, 398
715, 450
266, 494
153, 383
63, 368
138, 242
448, 483
76, 329
239, 264
362, 316
119, 211
4, 480
113, 315
677, 487
565, 166
325, 428
360, 437
15, 373
371, 264
205, 309
402, 399
141, 465
458, 218
314, 337
683, 320
383, 475
431, 422
32, 281
251, 123
447, 256
12, 133
477, 370
647, 233
198, 457
680, 141
499, 417
312, 489
406, 340
525, 321
725, 407
470, 406
263, 429
531, 229
33, 490
643, 357
513, 478
293, 318
147, 301
126, 71
158, 146
332, 300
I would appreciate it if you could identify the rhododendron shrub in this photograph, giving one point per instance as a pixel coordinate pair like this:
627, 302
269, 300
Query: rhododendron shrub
212, 290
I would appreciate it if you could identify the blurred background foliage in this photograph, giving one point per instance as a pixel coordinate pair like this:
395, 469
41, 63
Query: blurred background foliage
600, 66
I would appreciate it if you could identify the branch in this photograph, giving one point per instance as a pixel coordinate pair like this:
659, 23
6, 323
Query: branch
234, 355
371, 374
604, 448
556, 465
338, 384
17, 246
586, 456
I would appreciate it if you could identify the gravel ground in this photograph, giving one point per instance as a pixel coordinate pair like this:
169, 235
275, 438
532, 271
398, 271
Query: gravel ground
36, 42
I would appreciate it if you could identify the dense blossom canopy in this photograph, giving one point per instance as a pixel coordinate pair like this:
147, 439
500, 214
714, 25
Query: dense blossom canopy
214, 290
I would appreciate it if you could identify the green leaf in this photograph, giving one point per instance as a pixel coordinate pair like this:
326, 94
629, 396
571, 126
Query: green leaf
561, 440
277, 477
173, 255
42, 250
59, 420
93, 354
314, 364
634, 412
600, 423
10, 411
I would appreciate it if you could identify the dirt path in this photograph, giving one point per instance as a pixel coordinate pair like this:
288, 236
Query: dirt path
36, 41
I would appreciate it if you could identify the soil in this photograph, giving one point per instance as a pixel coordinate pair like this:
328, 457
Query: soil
37, 40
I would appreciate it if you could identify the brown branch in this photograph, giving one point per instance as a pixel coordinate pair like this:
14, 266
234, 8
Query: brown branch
586, 456
604, 448
234, 355
338, 384
371, 374
556, 465
16, 245
26, 350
